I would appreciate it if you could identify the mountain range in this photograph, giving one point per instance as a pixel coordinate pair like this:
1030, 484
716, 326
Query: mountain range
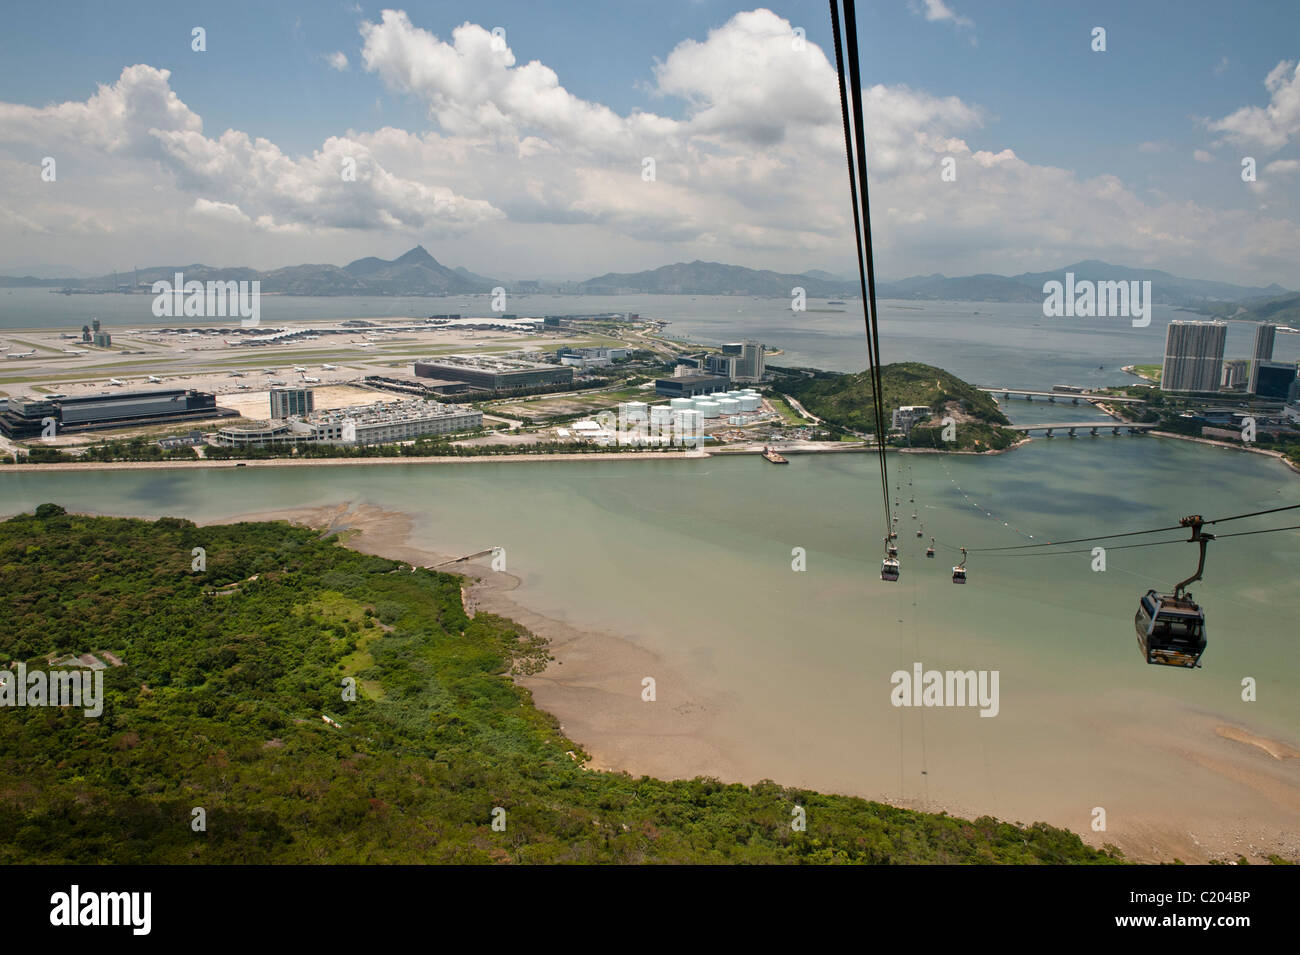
1166, 288
418, 273
414, 273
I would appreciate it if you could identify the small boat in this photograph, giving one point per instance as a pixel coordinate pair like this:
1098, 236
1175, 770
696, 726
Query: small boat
774, 457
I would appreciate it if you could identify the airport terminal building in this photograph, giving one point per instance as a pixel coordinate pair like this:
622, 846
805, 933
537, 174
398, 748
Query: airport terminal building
493, 374
25, 413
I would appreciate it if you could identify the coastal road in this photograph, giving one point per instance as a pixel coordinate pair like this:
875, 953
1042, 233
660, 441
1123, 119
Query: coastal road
804, 412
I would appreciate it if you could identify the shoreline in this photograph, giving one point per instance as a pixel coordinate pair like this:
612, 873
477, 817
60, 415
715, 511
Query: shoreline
585, 688
335, 462
694, 455
1230, 445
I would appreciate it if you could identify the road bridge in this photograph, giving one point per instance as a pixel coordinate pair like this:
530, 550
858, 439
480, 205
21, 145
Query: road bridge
1092, 427
1029, 394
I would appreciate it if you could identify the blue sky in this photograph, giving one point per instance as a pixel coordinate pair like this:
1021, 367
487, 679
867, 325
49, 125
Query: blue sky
1022, 73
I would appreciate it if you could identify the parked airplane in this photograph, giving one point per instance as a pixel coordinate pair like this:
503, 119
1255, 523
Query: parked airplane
154, 379
236, 374
21, 354
328, 367
299, 368
311, 380
116, 382
73, 351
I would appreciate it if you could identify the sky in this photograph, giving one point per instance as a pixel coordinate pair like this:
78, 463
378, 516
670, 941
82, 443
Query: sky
513, 138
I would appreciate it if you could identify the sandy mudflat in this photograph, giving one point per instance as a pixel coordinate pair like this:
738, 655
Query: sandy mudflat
1243, 793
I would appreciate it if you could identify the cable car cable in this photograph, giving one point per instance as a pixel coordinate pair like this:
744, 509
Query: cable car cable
861, 219
1154, 530
1177, 540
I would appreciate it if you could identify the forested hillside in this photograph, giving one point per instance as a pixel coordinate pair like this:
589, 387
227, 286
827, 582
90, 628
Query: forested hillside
846, 401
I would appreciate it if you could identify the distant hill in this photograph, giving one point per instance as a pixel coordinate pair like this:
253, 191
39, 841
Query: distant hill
414, 273
46, 272
1284, 310
714, 278
846, 401
419, 273
1166, 288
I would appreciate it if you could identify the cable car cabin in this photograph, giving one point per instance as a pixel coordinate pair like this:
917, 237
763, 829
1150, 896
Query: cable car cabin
889, 569
959, 575
929, 552
918, 533
893, 550
1170, 630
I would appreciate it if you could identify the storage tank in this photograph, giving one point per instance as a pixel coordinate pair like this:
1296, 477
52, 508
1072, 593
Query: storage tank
708, 409
728, 406
682, 404
750, 402
661, 414
633, 410
687, 425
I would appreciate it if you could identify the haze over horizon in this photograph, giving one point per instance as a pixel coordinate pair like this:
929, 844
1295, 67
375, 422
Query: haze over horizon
524, 159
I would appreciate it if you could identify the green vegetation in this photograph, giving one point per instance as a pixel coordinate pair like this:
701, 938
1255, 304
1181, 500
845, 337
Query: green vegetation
846, 402
227, 675
1151, 372
788, 415
1284, 309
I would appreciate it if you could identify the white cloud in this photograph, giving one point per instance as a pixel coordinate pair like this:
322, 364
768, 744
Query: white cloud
1200, 155
338, 60
939, 11
1282, 167
528, 176
140, 118
223, 211
1269, 127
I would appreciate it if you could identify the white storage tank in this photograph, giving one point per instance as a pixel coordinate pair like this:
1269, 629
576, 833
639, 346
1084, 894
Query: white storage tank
728, 406
750, 402
633, 410
708, 409
661, 415
687, 425
681, 404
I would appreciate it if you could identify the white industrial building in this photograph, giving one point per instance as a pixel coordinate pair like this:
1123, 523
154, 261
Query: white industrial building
383, 422
907, 416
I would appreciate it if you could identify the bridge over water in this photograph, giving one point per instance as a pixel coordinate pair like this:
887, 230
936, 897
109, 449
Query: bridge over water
1029, 394
1092, 427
